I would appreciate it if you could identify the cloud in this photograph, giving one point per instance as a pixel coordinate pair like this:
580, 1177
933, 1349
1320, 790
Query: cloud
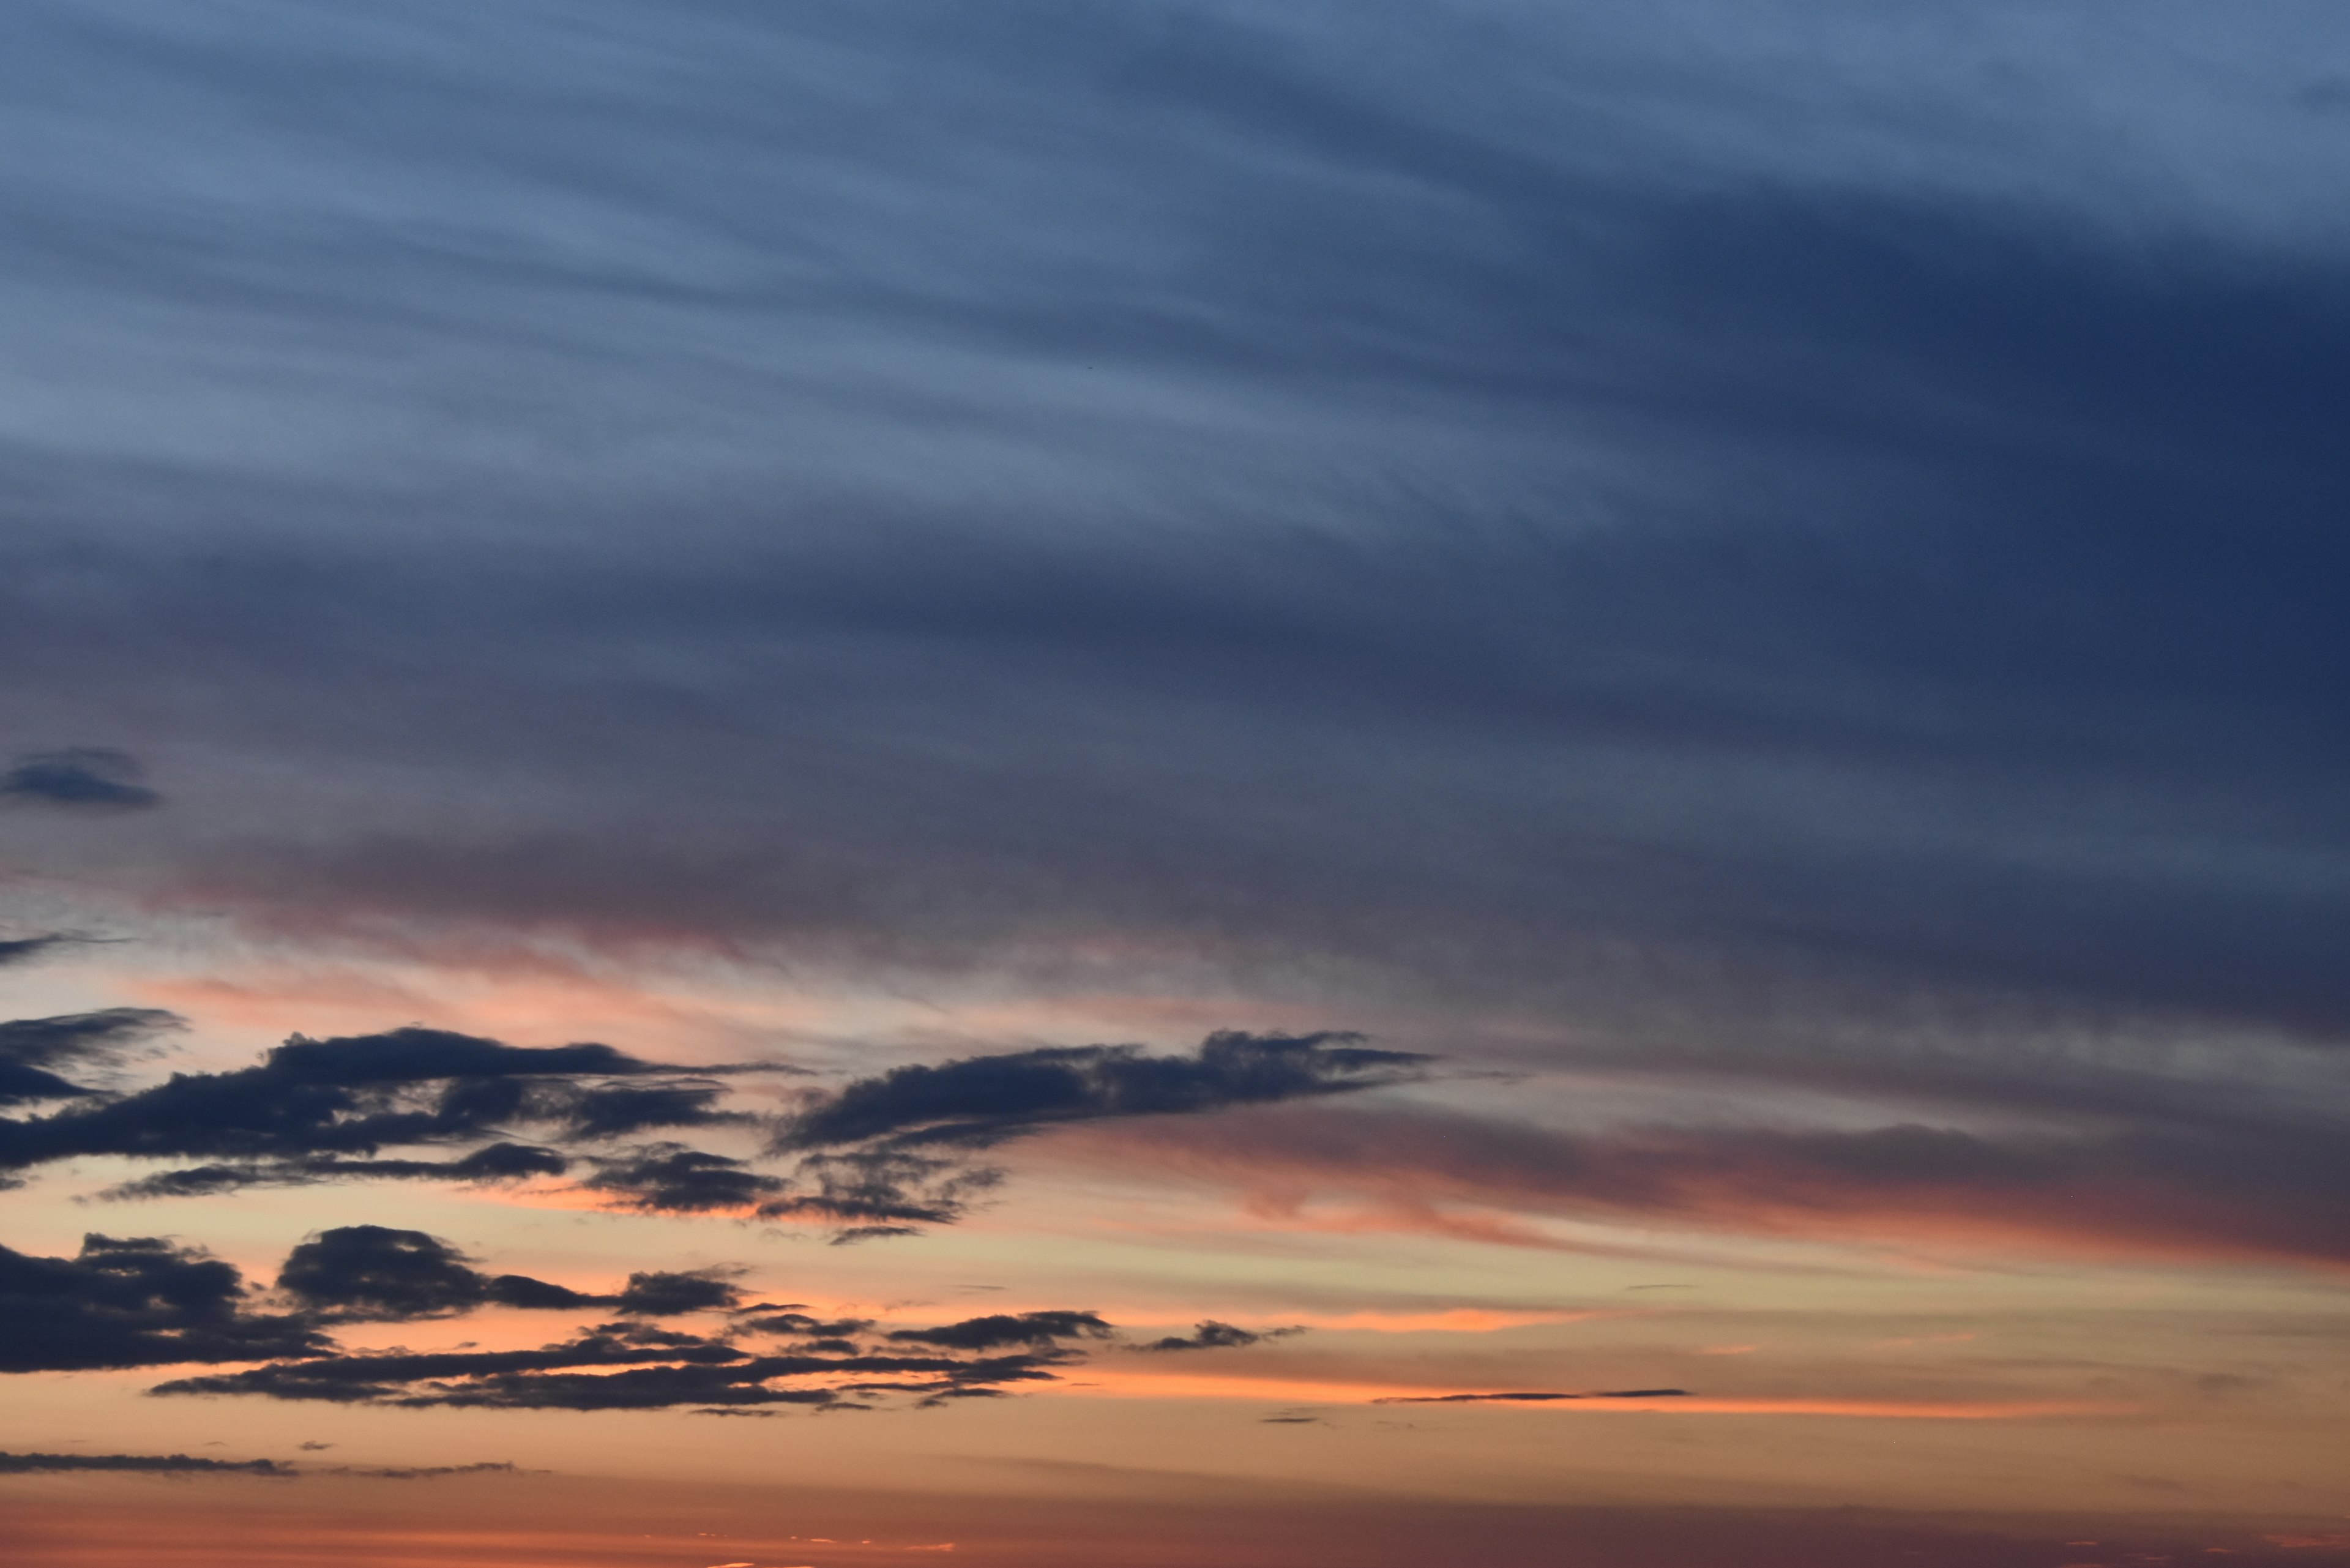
879, 1157
1212, 1336
180, 1464
2273, 1190
429, 1472
633, 1366
83, 778
25, 950
888, 1153
979, 1101
358, 1273
883, 1191
135, 1302
312, 1105
656, 1293
670, 1177
491, 1163
1039, 1329
30, 1045
157, 1464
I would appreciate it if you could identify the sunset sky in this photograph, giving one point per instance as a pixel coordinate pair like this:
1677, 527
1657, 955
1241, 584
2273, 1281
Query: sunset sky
827, 783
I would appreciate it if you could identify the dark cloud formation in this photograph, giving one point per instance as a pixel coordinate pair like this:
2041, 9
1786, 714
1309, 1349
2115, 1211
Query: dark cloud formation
1211, 1334
981, 1101
25, 950
889, 1154
136, 1302
491, 1163
147, 1302
670, 1177
997, 1330
83, 778
879, 1156
153, 1464
634, 1366
314, 1110
370, 1272
30, 1046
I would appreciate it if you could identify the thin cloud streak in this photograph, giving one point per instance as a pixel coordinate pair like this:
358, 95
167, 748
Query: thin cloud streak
2213, 1196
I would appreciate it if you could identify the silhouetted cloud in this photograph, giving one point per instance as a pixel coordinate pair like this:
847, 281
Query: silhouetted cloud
1032, 1328
157, 1464
372, 1273
670, 1177
313, 1104
632, 1366
30, 1045
135, 1302
1211, 1334
361, 1272
656, 1293
982, 1100
25, 950
890, 1153
87, 778
180, 1464
491, 1163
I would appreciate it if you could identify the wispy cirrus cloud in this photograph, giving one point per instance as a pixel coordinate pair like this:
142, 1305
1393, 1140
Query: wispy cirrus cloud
2215, 1193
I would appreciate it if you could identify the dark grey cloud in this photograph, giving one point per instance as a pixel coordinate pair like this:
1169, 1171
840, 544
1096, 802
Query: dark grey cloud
885, 1190
666, 1293
357, 1273
889, 1154
25, 950
981, 1101
670, 1177
363, 1272
491, 1163
83, 778
1039, 1329
30, 1046
819, 1334
154, 1464
1210, 1334
316, 1110
140, 1302
634, 1366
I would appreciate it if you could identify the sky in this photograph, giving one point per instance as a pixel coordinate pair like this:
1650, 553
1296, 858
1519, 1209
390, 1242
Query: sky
1184, 781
